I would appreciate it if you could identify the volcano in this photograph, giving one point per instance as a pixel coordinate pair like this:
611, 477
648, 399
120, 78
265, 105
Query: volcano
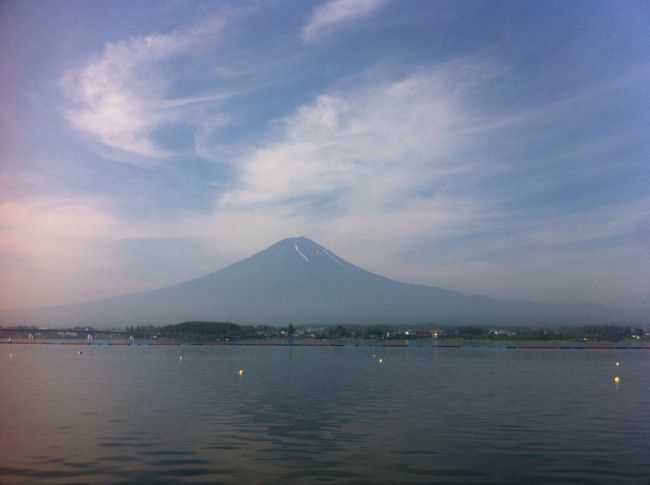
300, 282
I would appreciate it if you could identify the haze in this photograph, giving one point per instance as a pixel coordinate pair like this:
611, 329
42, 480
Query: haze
490, 148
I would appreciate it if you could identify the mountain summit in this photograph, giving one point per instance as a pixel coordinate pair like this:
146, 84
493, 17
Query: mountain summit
308, 251
298, 252
298, 281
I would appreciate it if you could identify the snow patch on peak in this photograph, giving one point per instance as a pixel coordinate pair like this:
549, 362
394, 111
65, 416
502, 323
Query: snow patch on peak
334, 258
312, 252
300, 252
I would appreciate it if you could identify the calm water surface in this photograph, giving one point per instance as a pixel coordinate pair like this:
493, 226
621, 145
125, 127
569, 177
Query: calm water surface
125, 414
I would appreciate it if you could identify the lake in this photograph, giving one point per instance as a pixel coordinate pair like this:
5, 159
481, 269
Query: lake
300, 414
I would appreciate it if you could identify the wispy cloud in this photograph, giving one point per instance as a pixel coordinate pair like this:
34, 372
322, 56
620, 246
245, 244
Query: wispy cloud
326, 17
121, 96
403, 132
378, 162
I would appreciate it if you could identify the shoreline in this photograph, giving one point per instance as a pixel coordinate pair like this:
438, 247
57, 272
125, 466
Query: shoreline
450, 344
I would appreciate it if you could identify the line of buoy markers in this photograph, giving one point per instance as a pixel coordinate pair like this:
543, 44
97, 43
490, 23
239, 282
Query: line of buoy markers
331, 344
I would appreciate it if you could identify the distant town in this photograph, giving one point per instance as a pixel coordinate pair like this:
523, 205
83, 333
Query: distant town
224, 331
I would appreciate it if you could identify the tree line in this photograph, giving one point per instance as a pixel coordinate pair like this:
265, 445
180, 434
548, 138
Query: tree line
202, 330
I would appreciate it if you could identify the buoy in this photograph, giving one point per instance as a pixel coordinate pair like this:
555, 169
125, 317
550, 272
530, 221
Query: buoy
241, 372
618, 364
617, 379
11, 356
180, 358
80, 352
381, 361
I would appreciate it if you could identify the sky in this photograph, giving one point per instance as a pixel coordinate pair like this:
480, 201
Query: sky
494, 148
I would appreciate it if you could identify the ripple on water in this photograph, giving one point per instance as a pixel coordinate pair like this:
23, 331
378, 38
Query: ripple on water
330, 415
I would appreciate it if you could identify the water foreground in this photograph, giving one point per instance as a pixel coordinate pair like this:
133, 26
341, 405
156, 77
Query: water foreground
127, 413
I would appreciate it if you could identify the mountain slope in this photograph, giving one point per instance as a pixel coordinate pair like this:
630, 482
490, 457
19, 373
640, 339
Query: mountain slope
297, 281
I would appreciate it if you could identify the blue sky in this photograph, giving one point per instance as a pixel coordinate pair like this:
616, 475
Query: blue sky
496, 148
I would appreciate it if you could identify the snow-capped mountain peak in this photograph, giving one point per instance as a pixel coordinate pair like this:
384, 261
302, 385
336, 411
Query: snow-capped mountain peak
308, 252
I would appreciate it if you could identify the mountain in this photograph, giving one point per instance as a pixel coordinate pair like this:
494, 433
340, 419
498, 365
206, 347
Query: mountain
298, 281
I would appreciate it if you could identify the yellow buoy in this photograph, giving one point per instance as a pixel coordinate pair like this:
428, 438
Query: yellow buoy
381, 361
241, 372
617, 379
